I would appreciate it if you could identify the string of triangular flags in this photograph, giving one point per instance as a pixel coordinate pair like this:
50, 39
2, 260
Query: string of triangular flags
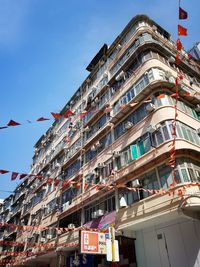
56, 116
182, 15
40, 228
30, 254
33, 244
60, 230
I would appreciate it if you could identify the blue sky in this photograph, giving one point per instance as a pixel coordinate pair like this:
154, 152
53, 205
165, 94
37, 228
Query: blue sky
45, 46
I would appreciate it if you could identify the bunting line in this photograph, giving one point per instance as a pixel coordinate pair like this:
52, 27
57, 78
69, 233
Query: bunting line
182, 15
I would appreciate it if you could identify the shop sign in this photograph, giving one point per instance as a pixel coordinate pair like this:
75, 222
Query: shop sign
82, 260
93, 242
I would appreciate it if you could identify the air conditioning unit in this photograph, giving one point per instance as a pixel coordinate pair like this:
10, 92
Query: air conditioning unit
65, 205
197, 108
42, 239
96, 100
198, 131
128, 125
87, 129
168, 74
73, 129
49, 236
98, 144
93, 104
154, 28
116, 154
135, 183
97, 213
100, 165
120, 76
151, 128
57, 165
150, 107
122, 202
105, 75
78, 93
71, 226
172, 59
93, 148
49, 173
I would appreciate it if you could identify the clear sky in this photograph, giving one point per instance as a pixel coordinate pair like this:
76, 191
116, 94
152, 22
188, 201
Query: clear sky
45, 46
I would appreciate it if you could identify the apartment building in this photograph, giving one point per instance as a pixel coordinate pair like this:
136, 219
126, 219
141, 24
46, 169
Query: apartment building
116, 130
195, 51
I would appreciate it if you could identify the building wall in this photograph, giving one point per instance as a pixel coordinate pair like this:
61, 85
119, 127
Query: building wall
174, 244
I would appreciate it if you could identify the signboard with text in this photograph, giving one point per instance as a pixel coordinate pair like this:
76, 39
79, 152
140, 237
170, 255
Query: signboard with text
82, 260
93, 242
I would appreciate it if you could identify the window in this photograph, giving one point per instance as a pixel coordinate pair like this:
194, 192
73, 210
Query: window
68, 195
72, 169
149, 181
166, 178
134, 117
107, 170
107, 205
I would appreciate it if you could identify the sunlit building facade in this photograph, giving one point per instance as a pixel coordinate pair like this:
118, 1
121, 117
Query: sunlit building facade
119, 133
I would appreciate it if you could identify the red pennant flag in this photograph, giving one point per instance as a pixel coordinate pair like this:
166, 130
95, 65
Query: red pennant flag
31, 175
175, 95
108, 110
178, 61
182, 14
83, 114
176, 81
180, 192
179, 45
49, 180
13, 123
56, 116
180, 76
182, 31
22, 175
94, 112
67, 139
78, 185
57, 181
14, 175
68, 113
86, 186
187, 94
161, 96
43, 119
122, 107
40, 177
190, 56
3, 171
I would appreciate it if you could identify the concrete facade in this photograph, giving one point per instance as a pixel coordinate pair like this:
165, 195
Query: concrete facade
117, 108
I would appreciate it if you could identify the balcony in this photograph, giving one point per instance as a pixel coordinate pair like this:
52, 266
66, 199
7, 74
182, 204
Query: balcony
80, 200
69, 240
183, 200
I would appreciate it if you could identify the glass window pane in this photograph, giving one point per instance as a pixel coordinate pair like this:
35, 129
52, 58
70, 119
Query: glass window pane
159, 137
165, 132
185, 175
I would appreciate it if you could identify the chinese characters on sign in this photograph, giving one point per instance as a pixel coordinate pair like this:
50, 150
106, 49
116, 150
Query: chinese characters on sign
93, 242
